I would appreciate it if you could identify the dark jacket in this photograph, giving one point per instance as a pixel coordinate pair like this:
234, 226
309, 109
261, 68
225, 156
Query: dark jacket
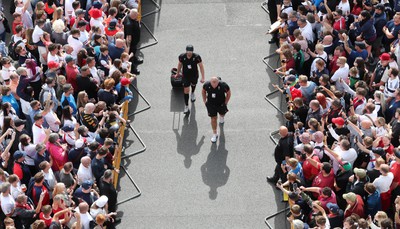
284, 148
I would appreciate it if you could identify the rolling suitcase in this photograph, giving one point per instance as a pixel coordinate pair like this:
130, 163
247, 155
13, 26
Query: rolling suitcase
176, 81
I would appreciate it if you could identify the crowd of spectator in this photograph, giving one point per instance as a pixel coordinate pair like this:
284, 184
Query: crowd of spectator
65, 71
338, 158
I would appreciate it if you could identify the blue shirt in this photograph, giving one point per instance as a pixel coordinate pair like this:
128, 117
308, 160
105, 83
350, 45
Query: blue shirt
114, 51
373, 203
354, 54
69, 101
11, 99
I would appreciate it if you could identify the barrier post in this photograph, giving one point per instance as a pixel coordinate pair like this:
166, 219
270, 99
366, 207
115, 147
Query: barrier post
120, 142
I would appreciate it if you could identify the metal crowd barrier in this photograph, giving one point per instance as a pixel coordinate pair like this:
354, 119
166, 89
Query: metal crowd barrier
271, 135
126, 115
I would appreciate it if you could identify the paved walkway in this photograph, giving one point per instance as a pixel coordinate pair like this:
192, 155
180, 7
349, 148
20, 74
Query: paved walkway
186, 181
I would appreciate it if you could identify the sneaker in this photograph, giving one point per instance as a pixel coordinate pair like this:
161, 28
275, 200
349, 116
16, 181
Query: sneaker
192, 97
221, 120
214, 138
186, 111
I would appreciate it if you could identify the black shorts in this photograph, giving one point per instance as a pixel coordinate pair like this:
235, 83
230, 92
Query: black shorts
214, 109
189, 80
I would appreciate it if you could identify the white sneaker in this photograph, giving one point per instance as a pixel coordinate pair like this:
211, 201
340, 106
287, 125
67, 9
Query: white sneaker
186, 111
221, 120
192, 97
214, 138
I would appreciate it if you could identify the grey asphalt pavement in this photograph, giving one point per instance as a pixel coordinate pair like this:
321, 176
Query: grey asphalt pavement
186, 181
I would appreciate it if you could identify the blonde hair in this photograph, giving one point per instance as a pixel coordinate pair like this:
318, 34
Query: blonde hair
342, 60
319, 47
303, 78
353, 71
59, 188
58, 26
292, 162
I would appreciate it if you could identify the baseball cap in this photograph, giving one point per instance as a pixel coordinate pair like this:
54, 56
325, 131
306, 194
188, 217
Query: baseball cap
87, 184
385, 56
378, 151
97, 4
95, 13
100, 202
346, 166
113, 24
290, 78
338, 121
53, 64
79, 11
350, 196
125, 81
18, 154
334, 208
189, 48
380, 6
68, 59
19, 122
67, 128
361, 173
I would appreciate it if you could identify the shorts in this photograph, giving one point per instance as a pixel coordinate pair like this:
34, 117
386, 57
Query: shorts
214, 109
190, 80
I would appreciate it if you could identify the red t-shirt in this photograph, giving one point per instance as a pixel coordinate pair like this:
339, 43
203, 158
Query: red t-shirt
47, 221
395, 169
324, 201
340, 24
14, 25
389, 150
17, 170
356, 10
321, 181
309, 169
72, 72
290, 64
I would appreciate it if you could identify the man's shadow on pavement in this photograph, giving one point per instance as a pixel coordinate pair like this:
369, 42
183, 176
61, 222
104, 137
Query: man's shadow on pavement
186, 141
214, 171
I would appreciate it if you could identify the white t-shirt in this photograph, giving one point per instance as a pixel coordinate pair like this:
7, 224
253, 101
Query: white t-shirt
98, 23
390, 86
15, 191
341, 73
38, 134
382, 183
30, 151
84, 36
37, 33
307, 32
51, 119
95, 75
7, 204
54, 58
84, 174
6, 72
345, 7
76, 44
50, 178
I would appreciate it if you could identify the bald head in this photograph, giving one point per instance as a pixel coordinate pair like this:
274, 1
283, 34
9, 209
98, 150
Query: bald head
366, 124
283, 131
89, 108
119, 43
328, 39
133, 13
83, 208
86, 161
214, 81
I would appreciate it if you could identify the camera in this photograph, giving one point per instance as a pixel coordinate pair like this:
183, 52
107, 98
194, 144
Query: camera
274, 70
303, 156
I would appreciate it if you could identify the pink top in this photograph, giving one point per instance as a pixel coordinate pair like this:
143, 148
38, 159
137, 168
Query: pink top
58, 155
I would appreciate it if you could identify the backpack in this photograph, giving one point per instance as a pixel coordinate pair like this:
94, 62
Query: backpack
11, 48
41, 95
